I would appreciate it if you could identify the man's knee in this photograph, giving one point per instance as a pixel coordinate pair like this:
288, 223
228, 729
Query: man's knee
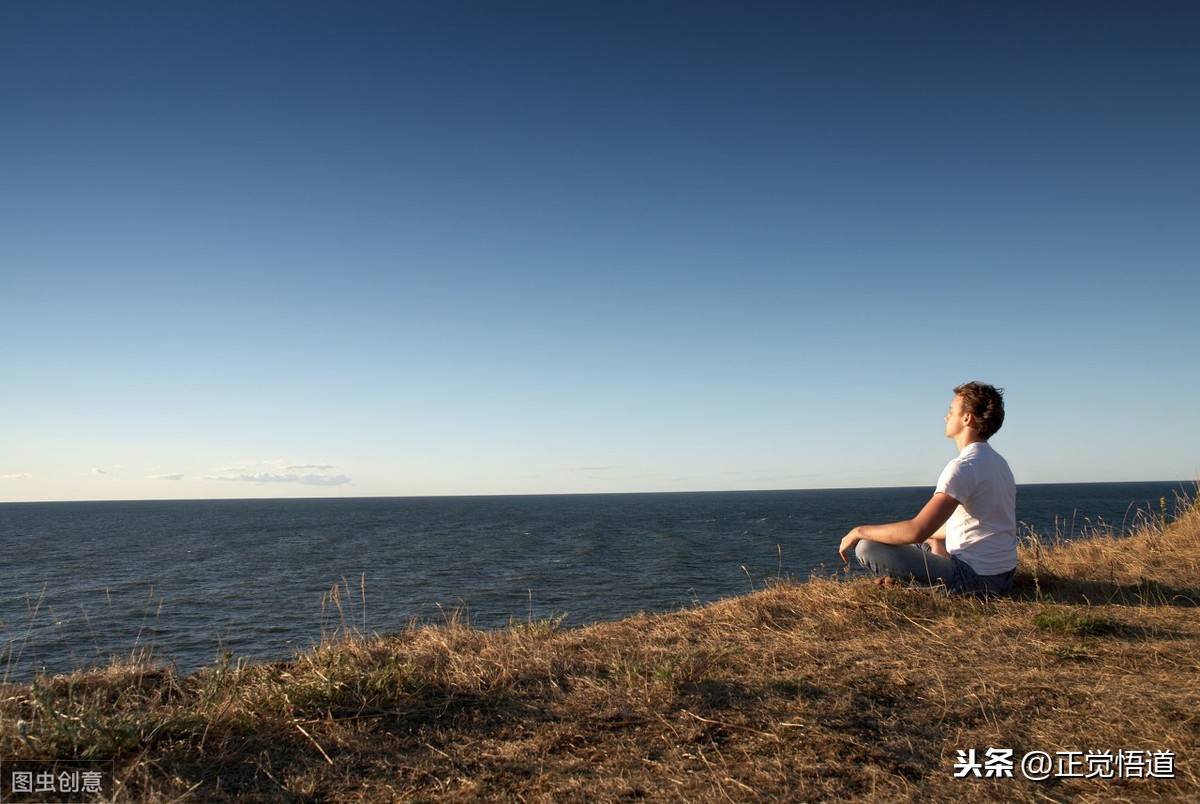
860, 551
907, 563
868, 554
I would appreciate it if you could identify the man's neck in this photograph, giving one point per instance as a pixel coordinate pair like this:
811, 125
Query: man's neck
966, 438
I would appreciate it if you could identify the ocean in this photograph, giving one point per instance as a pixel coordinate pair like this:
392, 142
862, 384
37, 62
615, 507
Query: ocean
192, 582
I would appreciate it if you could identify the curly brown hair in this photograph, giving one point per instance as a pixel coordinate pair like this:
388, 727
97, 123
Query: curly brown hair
984, 402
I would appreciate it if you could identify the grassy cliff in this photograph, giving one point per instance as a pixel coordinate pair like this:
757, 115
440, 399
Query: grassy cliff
818, 690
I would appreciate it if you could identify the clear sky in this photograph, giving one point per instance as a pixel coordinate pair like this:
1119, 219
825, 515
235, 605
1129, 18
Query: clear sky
409, 248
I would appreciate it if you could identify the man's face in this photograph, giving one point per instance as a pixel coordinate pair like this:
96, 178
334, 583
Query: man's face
956, 420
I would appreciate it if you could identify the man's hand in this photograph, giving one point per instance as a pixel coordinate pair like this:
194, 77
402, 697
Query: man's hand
848, 542
909, 531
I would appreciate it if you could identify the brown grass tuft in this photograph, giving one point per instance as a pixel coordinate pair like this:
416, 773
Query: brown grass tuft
803, 691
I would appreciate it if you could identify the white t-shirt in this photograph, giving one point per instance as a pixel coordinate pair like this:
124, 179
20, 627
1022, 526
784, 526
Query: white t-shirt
982, 531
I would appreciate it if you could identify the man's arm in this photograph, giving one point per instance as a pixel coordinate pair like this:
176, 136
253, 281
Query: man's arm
911, 531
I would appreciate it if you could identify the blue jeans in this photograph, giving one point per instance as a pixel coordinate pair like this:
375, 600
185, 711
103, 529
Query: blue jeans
914, 563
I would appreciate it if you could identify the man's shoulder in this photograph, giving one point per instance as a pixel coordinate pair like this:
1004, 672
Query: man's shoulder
980, 451
978, 458
987, 461
955, 470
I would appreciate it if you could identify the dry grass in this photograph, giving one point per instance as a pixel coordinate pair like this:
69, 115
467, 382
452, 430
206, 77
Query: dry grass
822, 690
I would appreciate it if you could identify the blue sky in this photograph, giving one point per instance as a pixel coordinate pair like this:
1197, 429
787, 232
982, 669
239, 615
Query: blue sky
306, 249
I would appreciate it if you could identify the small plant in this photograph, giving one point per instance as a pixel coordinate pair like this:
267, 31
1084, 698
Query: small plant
10, 656
349, 624
683, 669
546, 624
1071, 621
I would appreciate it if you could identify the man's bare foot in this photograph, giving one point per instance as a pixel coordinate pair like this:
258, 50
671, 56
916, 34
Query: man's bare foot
885, 582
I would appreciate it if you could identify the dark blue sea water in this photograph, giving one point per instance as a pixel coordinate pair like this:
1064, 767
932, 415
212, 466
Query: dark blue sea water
190, 581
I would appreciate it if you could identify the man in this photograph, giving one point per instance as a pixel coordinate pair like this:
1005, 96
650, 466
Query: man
965, 538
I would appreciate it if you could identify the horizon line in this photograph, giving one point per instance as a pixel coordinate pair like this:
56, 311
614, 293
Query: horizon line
1194, 483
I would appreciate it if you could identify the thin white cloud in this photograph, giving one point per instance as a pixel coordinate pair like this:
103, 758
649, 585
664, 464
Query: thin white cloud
267, 477
99, 472
14, 477
279, 472
166, 477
